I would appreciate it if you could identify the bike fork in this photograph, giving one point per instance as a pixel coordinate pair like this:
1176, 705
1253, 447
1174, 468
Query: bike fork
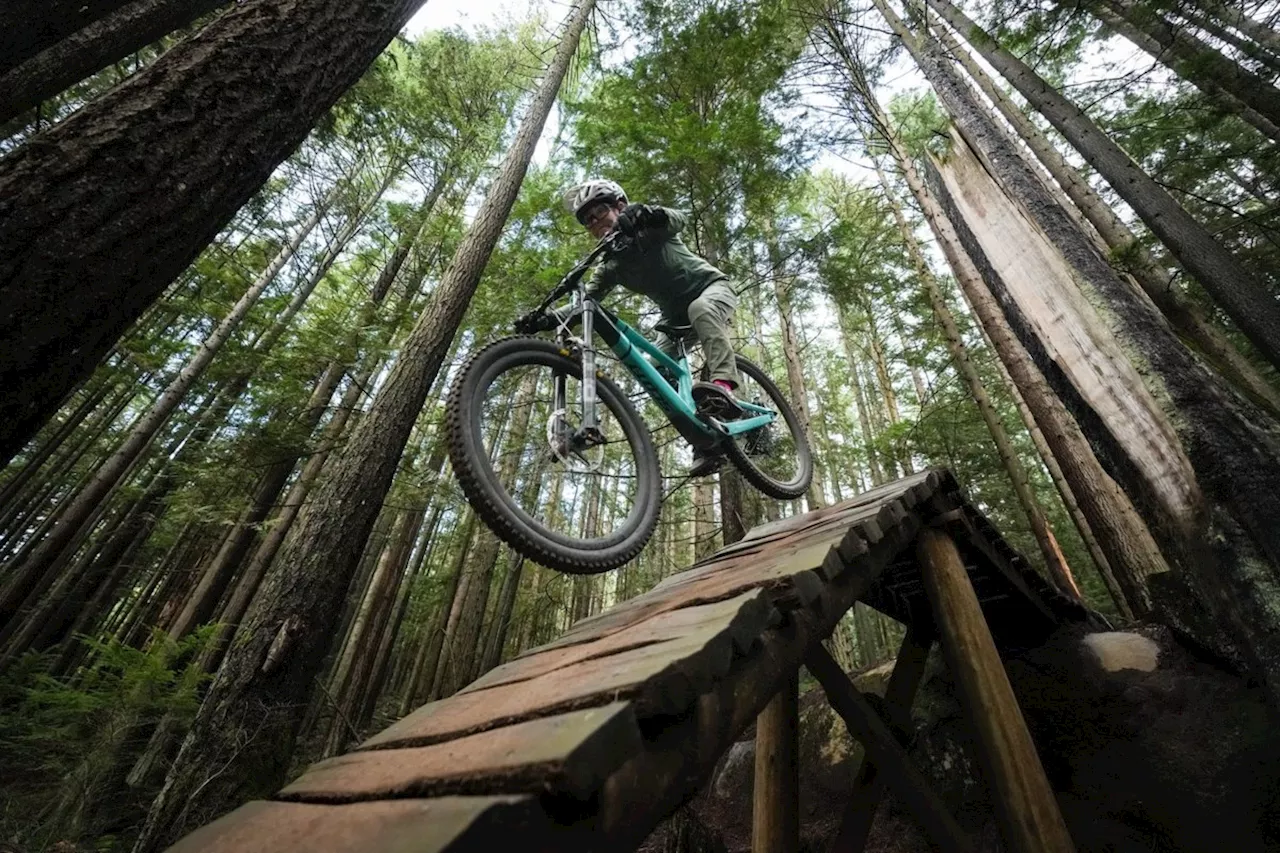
590, 419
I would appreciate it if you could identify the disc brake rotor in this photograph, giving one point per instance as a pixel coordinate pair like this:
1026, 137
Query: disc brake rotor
570, 448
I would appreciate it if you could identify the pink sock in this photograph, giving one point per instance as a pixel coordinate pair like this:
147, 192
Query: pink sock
724, 383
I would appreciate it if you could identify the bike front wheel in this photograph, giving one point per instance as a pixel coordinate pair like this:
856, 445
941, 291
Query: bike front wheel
774, 458
581, 507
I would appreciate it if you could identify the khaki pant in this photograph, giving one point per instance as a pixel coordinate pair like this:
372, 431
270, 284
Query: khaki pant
709, 315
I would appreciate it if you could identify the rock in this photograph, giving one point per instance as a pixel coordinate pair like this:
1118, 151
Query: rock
1148, 746
734, 775
1117, 650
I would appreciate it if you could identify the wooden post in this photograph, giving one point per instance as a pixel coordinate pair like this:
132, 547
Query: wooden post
775, 817
891, 760
868, 786
1026, 808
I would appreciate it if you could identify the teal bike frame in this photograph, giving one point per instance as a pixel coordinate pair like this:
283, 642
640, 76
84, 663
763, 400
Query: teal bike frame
643, 360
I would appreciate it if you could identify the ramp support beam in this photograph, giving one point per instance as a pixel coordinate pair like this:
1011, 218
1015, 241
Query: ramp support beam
1026, 809
775, 816
868, 785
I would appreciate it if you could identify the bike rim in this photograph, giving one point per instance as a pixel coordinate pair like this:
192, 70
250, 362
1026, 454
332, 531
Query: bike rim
773, 450
587, 496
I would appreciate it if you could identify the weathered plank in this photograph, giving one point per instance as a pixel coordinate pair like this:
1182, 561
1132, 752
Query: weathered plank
566, 754
404, 826
770, 571
743, 616
678, 761
661, 678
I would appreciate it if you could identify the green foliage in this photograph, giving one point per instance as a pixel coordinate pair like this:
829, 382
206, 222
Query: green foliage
57, 733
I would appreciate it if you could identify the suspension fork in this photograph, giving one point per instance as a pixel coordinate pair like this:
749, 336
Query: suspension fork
590, 419
590, 428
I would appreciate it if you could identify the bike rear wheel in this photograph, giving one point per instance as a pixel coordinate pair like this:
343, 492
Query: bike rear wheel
577, 509
775, 458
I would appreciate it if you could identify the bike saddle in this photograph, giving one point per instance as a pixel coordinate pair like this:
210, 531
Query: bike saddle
676, 333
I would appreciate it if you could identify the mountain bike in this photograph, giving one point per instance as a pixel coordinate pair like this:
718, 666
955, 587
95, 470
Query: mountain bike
552, 453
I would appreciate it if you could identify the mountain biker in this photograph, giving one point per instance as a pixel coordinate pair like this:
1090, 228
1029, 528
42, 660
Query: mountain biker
688, 290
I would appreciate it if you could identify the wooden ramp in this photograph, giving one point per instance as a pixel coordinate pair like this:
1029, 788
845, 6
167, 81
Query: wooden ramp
587, 743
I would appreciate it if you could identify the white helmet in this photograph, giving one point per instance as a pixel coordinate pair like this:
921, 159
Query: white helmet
579, 198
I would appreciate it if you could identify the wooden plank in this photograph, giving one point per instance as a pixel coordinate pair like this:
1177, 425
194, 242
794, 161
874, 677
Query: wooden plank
890, 758
770, 570
679, 759
661, 678
421, 826
1026, 809
743, 616
775, 812
569, 753
868, 785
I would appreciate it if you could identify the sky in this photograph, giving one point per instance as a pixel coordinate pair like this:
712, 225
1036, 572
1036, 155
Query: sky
441, 14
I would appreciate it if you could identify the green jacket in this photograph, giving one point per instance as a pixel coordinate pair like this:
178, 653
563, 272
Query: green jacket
667, 271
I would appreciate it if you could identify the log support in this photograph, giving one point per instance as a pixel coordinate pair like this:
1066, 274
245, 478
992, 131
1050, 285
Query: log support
868, 785
1026, 809
775, 817
883, 749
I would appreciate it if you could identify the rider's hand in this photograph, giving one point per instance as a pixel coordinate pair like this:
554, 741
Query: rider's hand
637, 217
532, 322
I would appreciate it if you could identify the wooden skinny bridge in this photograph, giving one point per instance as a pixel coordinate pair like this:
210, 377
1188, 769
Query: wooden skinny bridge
588, 742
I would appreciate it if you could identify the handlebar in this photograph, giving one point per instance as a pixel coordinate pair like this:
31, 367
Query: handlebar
537, 319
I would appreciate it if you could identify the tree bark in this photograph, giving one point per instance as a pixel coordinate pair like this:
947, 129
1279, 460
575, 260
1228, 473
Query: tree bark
138, 182
288, 630
1126, 251
1059, 571
1122, 533
1236, 289
29, 26
94, 47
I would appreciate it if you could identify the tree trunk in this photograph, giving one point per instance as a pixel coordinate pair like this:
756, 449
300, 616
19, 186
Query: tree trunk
1220, 30
138, 182
859, 401
1069, 502
1259, 32
795, 370
887, 393
1059, 571
385, 677
353, 666
502, 614
30, 26
1236, 289
1227, 86
1123, 535
289, 628
34, 576
1186, 317
704, 523
88, 50
1231, 498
